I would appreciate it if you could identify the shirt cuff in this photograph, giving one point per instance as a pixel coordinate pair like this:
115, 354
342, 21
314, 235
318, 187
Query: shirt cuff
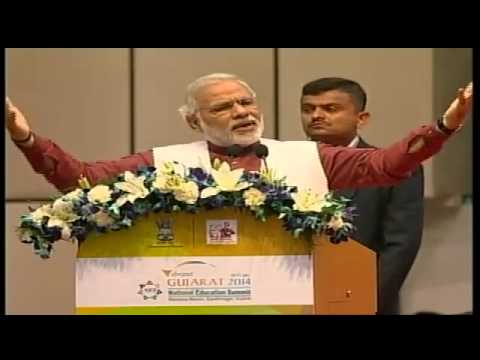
431, 134
38, 152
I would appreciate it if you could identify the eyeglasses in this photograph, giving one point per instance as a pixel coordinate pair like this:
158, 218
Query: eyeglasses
227, 106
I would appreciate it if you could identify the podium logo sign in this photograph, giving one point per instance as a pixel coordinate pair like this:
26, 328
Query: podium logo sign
149, 290
200, 281
222, 232
194, 281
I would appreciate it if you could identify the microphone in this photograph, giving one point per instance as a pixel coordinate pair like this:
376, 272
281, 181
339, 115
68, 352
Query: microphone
261, 151
233, 151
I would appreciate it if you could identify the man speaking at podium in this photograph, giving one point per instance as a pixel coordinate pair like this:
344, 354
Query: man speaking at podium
224, 109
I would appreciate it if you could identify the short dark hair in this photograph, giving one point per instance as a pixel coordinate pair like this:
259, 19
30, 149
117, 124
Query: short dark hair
319, 86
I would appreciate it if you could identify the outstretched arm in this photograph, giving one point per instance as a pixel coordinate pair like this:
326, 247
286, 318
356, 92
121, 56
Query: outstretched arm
353, 167
58, 166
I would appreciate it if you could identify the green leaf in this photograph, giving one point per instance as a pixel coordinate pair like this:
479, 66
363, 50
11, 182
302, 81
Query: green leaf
114, 209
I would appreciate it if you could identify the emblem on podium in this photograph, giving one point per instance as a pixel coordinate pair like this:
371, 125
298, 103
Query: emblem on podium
165, 234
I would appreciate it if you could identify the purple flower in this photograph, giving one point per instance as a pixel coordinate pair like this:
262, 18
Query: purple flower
200, 177
198, 173
350, 212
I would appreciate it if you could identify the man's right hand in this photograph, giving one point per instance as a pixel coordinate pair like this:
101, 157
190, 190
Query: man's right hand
16, 123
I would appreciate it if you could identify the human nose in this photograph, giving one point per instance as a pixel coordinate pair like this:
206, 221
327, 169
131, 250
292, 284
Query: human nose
318, 113
239, 109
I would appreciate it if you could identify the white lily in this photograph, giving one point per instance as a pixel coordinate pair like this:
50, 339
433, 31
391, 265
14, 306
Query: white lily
306, 201
62, 208
62, 211
73, 195
225, 180
41, 212
59, 214
133, 186
64, 225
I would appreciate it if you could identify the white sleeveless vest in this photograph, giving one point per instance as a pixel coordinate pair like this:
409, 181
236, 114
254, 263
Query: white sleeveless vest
297, 160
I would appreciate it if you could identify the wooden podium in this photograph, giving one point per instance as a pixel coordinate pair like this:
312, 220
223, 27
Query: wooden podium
221, 262
345, 278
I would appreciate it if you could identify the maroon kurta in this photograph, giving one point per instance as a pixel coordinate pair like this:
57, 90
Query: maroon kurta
344, 167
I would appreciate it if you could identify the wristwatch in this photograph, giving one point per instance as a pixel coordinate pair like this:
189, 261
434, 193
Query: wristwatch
24, 141
447, 131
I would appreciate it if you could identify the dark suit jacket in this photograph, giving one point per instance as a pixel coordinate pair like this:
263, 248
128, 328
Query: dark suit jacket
390, 222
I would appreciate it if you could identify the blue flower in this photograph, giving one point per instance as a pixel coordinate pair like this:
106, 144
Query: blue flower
198, 174
53, 233
252, 177
87, 209
215, 202
128, 211
80, 232
294, 222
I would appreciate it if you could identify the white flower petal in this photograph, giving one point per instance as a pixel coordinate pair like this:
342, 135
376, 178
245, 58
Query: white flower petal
53, 221
242, 185
224, 167
73, 195
100, 194
128, 175
121, 200
225, 179
208, 192
126, 187
66, 233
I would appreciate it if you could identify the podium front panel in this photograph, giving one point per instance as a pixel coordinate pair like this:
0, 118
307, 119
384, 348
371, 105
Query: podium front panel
215, 262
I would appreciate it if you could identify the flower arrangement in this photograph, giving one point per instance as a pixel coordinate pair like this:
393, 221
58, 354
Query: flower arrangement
175, 188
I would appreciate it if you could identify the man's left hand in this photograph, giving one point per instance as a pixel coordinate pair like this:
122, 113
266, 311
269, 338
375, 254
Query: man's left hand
456, 114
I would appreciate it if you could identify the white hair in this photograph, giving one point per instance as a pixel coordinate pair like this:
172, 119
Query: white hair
190, 106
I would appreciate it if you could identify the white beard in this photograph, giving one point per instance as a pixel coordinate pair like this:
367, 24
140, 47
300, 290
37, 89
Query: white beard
226, 138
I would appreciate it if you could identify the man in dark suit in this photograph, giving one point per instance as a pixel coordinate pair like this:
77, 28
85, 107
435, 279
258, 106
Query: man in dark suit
390, 219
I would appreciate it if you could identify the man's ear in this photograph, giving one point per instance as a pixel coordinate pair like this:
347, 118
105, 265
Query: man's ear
363, 119
192, 121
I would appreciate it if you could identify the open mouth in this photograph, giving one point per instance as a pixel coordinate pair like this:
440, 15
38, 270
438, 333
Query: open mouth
245, 126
